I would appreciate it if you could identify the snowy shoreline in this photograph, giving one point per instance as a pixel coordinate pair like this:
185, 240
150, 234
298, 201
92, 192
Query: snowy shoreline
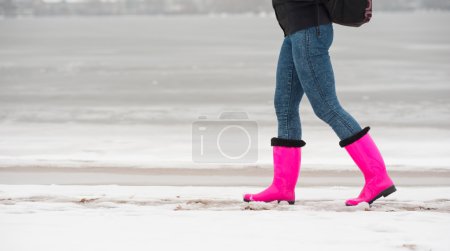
155, 146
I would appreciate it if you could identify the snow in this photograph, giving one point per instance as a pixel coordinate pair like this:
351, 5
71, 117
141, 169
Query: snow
205, 218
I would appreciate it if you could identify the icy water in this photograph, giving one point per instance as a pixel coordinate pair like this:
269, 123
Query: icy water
125, 90
394, 71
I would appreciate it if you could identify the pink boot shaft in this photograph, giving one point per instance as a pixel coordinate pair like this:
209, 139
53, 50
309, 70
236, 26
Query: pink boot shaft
286, 161
367, 157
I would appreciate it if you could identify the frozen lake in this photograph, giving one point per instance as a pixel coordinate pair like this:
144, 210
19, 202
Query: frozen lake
124, 91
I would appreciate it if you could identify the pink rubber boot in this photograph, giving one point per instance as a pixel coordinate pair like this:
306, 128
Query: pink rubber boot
367, 157
286, 162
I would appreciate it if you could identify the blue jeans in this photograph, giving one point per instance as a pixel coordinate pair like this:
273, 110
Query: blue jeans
304, 67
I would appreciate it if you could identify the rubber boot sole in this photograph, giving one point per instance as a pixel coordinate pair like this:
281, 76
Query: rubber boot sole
385, 193
291, 202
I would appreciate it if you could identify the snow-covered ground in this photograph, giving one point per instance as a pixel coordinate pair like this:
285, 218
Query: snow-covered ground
215, 218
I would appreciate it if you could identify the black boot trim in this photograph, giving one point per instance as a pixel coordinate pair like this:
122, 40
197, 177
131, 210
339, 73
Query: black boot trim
287, 142
348, 141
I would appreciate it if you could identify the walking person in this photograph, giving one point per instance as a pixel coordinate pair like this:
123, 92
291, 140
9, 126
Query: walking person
304, 68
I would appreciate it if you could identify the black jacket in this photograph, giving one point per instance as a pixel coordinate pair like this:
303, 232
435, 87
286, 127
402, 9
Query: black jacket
295, 15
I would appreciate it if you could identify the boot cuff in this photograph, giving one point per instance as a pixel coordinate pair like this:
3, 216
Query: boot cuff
352, 139
287, 142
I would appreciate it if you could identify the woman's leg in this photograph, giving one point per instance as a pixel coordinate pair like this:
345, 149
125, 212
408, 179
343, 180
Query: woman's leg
288, 94
315, 72
287, 147
313, 65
